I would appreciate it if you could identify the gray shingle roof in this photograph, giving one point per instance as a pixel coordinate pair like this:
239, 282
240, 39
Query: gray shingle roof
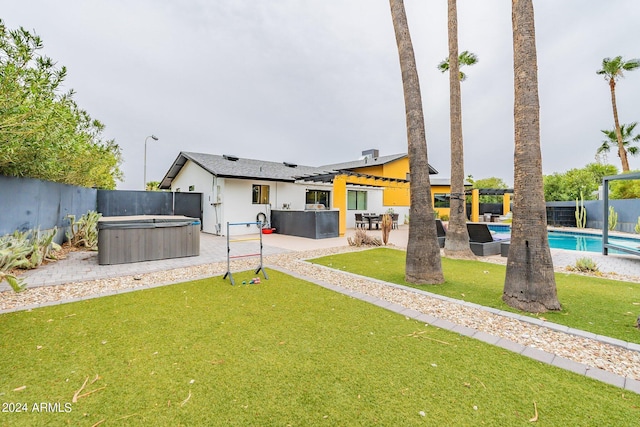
259, 169
240, 168
368, 161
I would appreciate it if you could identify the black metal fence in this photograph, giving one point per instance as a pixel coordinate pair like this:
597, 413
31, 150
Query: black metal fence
628, 212
27, 203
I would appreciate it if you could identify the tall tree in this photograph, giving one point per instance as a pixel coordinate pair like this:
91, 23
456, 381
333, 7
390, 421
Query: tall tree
457, 242
423, 263
530, 282
43, 133
612, 70
627, 137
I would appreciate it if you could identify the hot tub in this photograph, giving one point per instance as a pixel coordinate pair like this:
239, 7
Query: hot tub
125, 239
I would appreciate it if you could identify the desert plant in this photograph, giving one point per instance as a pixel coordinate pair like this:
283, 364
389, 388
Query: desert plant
613, 218
361, 238
581, 213
13, 254
25, 250
84, 232
637, 227
385, 224
585, 265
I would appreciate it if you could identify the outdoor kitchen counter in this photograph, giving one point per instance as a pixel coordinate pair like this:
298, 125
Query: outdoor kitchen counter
314, 224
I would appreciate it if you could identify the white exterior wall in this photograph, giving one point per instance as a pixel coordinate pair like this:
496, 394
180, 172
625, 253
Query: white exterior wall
230, 200
238, 207
374, 203
202, 181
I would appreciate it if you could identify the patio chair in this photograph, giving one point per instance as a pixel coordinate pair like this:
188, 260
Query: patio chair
394, 218
360, 221
481, 241
442, 233
375, 219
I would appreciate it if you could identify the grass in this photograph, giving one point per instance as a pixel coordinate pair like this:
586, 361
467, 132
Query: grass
602, 306
284, 352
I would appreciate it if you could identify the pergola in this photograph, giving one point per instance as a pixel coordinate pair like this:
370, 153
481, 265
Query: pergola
605, 224
341, 178
475, 199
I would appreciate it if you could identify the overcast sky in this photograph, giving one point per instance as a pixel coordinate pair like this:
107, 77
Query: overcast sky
318, 81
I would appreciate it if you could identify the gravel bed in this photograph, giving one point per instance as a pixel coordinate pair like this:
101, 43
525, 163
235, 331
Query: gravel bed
593, 353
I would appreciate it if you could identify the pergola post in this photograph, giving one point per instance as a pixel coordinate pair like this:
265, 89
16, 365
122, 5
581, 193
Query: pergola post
340, 202
506, 203
475, 205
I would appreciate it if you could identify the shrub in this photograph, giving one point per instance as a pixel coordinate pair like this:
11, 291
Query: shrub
25, 250
84, 232
585, 265
363, 239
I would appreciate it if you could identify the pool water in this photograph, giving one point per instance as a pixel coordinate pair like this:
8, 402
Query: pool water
576, 241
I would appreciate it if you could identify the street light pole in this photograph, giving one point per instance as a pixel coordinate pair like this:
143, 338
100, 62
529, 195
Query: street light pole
155, 138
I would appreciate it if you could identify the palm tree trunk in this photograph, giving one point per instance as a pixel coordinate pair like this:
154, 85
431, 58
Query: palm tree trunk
423, 264
622, 153
530, 282
457, 241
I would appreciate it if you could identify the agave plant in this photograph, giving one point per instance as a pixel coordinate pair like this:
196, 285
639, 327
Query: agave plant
84, 231
25, 250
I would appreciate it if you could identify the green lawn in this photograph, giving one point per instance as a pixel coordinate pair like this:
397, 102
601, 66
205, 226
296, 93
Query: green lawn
604, 307
284, 352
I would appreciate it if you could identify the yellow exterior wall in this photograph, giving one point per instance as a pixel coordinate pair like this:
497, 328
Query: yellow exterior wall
340, 202
397, 169
440, 189
392, 195
396, 195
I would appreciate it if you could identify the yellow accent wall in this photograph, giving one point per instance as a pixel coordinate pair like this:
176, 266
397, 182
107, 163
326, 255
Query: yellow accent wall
440, 189
340, 202
395, 194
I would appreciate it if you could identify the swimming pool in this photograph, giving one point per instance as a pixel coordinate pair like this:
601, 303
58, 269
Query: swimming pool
576, 241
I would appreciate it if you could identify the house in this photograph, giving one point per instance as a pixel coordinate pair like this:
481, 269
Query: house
239, 190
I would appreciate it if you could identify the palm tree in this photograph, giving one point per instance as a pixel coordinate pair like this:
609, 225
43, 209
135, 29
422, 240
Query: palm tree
465, 58
626, 132
529, 283
457, 241
612, 70
423, 264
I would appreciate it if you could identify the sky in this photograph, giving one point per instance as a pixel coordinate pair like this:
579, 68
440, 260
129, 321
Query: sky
316, 82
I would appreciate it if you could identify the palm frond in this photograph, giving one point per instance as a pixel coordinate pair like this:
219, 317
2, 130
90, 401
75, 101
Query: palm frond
468, 58
444, 66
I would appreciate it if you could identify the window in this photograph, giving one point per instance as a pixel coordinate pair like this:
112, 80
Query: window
260, 194
318, 197
441, 200
356, 200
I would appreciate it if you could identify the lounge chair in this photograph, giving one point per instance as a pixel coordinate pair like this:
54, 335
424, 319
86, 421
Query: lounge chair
482, 242
442, 233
